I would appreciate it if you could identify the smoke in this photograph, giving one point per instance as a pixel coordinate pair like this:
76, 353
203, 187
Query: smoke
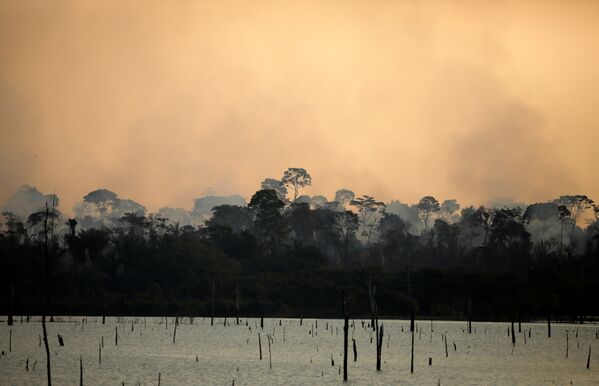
28, 200
398, 100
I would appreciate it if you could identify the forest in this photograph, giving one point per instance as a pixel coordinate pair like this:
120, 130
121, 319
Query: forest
290, 255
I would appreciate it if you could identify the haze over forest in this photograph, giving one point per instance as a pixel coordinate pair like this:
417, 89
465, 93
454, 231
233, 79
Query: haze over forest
166, 103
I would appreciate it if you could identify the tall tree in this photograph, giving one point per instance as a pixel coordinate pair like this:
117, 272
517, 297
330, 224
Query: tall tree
296, 178
428, 207
344, 228
576, 205
449, 209
369, 212
269, 225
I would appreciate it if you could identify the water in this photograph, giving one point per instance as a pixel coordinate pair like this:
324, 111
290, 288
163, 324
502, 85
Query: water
227, 354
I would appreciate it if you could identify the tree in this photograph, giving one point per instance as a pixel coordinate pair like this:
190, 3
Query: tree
269, 225
468, 224
369, 211
447, 236
302, 221
542, 212
136, 224
276, 185
238, 218
428, 207
564, 217
394, 236
103, 199
576, 205
318, 201
448, 210
509, 237
483, 217
296, 178
343, 197
345, 226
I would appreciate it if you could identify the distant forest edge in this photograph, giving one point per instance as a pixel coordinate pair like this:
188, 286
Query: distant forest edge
290, 255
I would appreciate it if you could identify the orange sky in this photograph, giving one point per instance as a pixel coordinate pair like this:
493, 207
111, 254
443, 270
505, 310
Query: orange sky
160, 101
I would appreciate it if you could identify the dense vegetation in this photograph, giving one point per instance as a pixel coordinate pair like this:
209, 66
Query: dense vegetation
294, 257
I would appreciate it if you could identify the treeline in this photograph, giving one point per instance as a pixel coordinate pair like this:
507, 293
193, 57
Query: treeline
288, 256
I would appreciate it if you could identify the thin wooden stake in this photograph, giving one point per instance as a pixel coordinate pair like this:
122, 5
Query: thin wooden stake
175, 333
269, 355
412, 358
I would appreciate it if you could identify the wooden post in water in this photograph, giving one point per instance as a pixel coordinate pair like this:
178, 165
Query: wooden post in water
260, 346
175, 333
355, 351
567, 344
80, 371
549, 326
412, 357
380, 343
99, 353
589, 358
10, 340
446, 352
116, 335
345, 336
519, 322
513, 335
158, 379
269, 353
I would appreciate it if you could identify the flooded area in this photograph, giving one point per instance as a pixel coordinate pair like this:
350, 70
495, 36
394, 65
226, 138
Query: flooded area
310, 353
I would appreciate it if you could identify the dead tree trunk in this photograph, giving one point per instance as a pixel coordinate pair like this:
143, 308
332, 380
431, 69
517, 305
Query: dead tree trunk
412, 357
345, 336
380, 346
513, 335
260, 345
175, 333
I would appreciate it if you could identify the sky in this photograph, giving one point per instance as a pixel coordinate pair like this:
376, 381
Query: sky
163, 102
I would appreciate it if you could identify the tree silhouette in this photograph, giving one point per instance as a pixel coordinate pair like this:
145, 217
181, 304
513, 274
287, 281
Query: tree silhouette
427, 208
369, 211
269, 225
296, 178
